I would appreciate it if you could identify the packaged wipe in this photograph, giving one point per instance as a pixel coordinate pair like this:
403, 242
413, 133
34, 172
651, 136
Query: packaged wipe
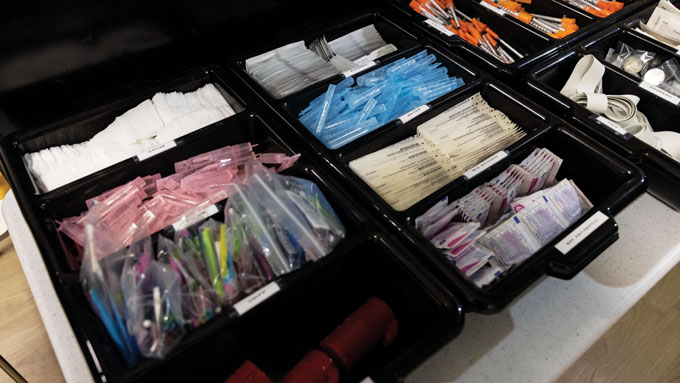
505, 221
445, 147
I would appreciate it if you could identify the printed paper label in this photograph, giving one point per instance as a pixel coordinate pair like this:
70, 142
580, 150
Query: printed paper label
358, 69
438, 27
492, 8
156, 150
380, 52
581, 232
256, 298
609, 124
195, 217
485, 164
406, 117
363, 60
660, 92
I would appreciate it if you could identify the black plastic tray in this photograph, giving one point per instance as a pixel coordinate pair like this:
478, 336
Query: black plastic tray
82, 127
313, 299
610, 183
626, 181
390, 30
289, 107
546, 81
530, 41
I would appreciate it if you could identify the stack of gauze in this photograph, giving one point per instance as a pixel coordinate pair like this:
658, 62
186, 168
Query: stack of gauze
290, 68
506, 220
444, 148
157, 202
346, 112
147, 126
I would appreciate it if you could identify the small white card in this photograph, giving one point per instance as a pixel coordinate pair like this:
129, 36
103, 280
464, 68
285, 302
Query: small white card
670, 97
254, 299
195, 217
492, 8
408, 116
157, 150
438, 27
609, 124
581, 232
358, 69
485, 164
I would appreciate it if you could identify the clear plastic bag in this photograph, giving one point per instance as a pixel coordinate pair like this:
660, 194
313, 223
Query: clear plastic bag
154, 301
630, 60
198, 303
671, 77
298, 207
248, 272
104, 290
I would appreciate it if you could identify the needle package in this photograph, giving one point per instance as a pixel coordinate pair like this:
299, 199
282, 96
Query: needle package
599, 8
347, 111
147, 126
200, 181
444, 14
555, 27
506, 220
444, 148
148, 300
288, 69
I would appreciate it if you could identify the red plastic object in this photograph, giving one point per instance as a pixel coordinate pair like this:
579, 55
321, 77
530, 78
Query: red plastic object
315, 367
248, 373
370, 324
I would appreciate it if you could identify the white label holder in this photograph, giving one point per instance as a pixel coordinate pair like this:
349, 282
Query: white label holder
670, 97
195, 217
604, 121
439, 27
581, 232
246, 304
408, 116
480, 167
490, 7
361, 68
157, 150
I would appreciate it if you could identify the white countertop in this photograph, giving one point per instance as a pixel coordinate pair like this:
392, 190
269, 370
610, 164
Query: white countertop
533, 340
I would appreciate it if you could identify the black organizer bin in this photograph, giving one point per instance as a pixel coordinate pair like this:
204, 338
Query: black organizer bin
626, 181
392, 30
536, 45
633, 22
546, 80
606, 179
289, 107
312, 302
83, 126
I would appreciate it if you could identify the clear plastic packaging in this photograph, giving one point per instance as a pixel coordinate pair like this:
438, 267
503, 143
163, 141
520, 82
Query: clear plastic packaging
153, 301
630, 60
